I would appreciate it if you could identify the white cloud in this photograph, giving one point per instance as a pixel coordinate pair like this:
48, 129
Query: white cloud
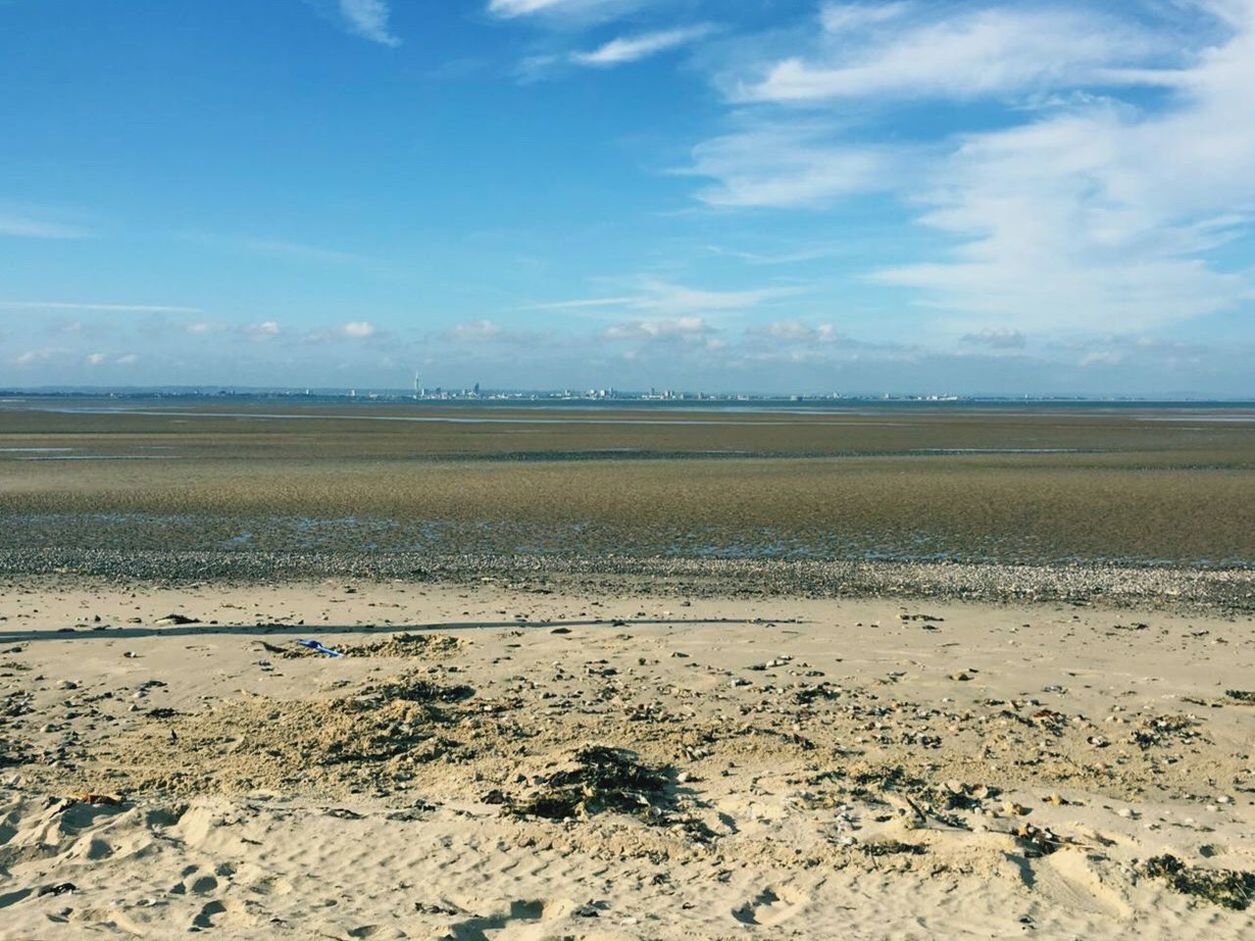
358, 329
35, 357
684, 329
203, 327
634, 48
797, 331
1104, 358
968, 55
476, 331
96, 359
1086, 212
1100, 216
368, 19
996, 338
127, 359
263, 330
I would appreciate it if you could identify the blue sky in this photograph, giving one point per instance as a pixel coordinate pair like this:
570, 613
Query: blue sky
780, 195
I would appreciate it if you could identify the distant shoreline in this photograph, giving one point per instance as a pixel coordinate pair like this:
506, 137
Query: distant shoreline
615, 399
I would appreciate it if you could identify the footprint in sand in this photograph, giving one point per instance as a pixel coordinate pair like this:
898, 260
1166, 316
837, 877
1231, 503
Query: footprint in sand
769, 907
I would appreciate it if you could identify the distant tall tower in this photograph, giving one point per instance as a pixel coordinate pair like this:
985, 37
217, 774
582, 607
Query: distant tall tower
418, 387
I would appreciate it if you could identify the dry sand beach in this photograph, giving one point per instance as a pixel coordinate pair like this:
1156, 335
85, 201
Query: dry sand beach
511, 760
872, 674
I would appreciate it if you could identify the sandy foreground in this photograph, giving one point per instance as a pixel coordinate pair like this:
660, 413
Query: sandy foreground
503, 763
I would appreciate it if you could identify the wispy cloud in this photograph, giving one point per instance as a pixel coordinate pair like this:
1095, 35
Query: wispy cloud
790, 164
510, 9
358, 329
837, 18
627, 49
31, 225
368, 19
799, 256
968, 55
99, 308
1087, 206
297, 251
665, 297
106, 359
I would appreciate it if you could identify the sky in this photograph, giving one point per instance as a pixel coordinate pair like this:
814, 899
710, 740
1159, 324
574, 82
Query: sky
799, 196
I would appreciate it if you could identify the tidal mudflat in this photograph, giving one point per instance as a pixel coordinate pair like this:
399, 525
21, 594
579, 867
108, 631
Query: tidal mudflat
1025, 486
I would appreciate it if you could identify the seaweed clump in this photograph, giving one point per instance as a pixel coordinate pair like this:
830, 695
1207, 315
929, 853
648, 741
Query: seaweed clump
600, 779
1228, 888
9, 754
892, 848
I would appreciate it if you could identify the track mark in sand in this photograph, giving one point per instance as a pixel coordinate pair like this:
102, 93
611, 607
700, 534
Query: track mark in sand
769, 907
1070, 879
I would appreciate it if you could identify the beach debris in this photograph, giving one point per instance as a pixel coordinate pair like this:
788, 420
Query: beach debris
317, 647
407, 689
599, 779
772, 664
174, 619
892, 848
436, 908
60, 888
1245, 696
1038, 841
396, 645
100, 800
1228, 888
1159, 730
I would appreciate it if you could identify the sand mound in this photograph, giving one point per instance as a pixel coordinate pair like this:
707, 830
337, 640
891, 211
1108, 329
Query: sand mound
372, 737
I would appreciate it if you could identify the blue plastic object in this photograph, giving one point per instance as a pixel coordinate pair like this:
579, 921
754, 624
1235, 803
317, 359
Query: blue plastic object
319, 648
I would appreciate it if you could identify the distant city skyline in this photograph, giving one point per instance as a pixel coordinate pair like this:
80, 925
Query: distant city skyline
995, 198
